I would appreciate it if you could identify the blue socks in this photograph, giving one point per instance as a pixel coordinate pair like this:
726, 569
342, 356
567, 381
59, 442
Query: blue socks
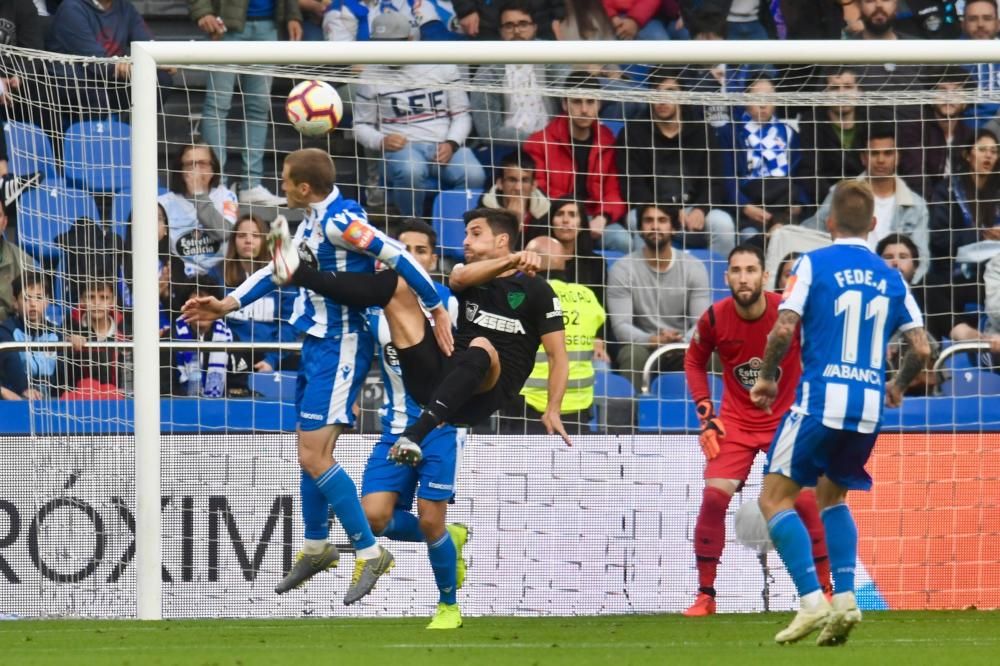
443, 559
403, 526
342, 495
842, 544
792, 541
315, 509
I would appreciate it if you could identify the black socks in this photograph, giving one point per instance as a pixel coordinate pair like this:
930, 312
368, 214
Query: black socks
468, 371
355, 290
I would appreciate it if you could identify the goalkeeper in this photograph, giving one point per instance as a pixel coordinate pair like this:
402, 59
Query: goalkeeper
737, 329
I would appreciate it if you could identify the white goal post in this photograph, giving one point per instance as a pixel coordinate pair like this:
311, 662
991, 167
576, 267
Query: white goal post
148, 56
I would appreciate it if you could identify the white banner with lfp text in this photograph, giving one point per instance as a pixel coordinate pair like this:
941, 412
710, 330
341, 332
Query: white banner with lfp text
604, 526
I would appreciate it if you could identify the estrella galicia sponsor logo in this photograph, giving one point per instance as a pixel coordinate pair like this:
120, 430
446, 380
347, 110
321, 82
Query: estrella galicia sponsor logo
746, 373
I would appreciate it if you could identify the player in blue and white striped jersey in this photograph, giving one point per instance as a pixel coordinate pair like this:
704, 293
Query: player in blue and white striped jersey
388, 488
849, 303
336, 354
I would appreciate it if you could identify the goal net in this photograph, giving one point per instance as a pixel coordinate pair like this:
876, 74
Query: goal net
632, 181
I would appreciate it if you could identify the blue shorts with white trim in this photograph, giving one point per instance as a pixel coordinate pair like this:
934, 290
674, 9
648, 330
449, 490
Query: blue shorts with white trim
804, 448
331, 374
436, 473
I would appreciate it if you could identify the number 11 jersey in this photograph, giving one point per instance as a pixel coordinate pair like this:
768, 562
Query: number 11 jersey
851, 303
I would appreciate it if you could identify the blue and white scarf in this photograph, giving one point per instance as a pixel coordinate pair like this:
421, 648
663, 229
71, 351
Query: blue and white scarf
766, 146
209, 381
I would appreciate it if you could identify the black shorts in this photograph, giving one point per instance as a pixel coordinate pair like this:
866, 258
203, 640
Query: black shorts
425, 367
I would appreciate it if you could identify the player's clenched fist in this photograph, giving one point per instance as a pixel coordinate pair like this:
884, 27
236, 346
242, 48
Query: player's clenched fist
763, 393
527, 262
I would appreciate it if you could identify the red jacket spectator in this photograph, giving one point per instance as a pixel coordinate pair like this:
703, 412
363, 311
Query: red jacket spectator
556, 172
639, 10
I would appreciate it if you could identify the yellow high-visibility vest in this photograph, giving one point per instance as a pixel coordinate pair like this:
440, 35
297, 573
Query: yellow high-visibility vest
583, 317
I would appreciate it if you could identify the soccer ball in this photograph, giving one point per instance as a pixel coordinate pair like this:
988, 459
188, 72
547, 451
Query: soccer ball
751, 528
314, 108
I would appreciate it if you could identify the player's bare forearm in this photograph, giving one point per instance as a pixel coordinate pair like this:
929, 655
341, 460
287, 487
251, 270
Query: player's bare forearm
466, 276
555, 351
915, 359
778, 342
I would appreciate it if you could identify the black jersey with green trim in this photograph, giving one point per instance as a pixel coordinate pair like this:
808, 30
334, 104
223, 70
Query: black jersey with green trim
513, 313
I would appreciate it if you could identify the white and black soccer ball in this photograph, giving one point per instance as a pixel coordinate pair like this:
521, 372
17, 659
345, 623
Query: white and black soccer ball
751, 528
314, 108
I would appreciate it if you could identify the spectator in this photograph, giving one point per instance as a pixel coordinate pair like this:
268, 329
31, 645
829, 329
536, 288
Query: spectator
666, 158
484, 20
932, 19
198, 373
505, 120
419, 130
746, 19
90, 250
28, 373
991, 277
91, 373
245, 21
12, 259
785, 271
980, 22
761, 166
928, 146
353, 21
879, 20
313, 12
21, 26
898, 209
637, 19
575, 156
584, 20
264, 319
902, 254
516, 190
103, 29
655, 295
820, 20
200, 210
584, 318
834, 139
569, 225
965, 228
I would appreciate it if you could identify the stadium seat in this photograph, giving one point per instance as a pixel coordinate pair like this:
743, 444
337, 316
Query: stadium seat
274, 386
98, 155
29, 150
668, 405
47, 211
614, 125
449, 206
972, 382
614, 401
716, 266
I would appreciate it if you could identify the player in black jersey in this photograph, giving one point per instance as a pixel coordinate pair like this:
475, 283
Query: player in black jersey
505, 311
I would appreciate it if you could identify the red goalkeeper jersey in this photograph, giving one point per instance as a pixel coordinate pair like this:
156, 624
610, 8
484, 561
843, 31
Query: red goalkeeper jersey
740, 344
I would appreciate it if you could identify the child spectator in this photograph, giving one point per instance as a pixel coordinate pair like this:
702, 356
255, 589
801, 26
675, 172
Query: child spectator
200, 210
197, 373
28, 373
263, 320
95, 373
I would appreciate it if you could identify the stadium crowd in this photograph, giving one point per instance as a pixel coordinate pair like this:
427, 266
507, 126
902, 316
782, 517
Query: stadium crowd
637, 203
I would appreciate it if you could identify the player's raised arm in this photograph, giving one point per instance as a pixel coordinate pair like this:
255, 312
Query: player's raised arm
210, 308
464, 276
555, 352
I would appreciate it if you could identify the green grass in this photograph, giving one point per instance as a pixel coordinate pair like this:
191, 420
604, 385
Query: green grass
908, 638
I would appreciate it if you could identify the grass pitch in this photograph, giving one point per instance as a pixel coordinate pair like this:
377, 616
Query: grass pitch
909, 638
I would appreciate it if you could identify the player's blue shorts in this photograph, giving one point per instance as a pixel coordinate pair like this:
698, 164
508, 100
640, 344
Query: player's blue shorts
436, 473
331, 374
804, 448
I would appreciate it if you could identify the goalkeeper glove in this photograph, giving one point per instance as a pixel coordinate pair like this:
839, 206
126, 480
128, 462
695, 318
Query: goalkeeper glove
712, 429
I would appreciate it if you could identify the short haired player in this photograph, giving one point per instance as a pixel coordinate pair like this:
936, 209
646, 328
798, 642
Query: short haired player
849, 303
736, 328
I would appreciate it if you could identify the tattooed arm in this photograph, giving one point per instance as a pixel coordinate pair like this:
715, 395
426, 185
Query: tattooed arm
765, 390
911, 365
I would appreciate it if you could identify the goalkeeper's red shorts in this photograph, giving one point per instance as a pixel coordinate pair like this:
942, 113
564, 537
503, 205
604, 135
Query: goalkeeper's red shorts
737, 451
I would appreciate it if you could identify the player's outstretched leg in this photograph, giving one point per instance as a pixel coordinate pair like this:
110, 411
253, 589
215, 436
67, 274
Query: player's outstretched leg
808, 511
460, 536
709, 540
317, 554
843, 537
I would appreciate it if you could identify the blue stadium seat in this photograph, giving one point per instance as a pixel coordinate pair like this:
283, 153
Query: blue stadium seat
716, 266
614, 125
610, 385
29, 150
668, 405
614, 403
98, 155
972, 381
47, 211
274, 386
449, 206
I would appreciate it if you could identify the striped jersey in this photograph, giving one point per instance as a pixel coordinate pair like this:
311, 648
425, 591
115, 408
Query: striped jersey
851, 303
398, 408
336, 235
